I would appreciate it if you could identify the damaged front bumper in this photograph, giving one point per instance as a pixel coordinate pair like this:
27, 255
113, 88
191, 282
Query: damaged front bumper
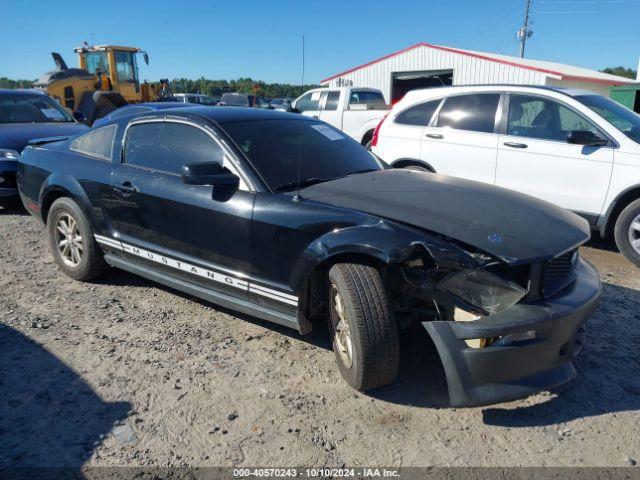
496, 373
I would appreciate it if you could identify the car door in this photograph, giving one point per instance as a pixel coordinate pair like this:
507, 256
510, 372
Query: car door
462, 140
330, 112
309, 104
402, 135
534, 156
198, 233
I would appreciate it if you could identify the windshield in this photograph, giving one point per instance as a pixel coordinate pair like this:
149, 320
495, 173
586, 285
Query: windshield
625, 120
15, 108
272, 146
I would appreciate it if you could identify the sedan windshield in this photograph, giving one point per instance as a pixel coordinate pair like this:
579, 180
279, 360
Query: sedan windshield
36, 108
625, 120
274, 147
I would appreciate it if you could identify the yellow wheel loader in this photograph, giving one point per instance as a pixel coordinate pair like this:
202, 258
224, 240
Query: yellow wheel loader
107, 78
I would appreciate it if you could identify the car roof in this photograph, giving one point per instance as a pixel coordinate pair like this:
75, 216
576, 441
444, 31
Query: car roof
448, 89
21, 91
232, 114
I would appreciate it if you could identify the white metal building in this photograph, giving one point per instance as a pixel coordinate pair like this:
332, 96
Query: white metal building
425, 65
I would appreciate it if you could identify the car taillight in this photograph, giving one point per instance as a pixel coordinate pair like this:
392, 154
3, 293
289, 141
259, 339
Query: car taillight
374, 140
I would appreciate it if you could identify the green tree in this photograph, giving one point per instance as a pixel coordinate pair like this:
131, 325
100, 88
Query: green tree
8, 83
621, 72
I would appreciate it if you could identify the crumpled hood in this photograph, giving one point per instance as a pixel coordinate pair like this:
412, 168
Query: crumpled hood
16, 136
512, 226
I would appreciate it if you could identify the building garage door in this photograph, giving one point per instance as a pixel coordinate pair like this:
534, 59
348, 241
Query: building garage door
403, 82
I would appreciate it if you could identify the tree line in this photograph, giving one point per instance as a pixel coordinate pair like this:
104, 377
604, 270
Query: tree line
214, 88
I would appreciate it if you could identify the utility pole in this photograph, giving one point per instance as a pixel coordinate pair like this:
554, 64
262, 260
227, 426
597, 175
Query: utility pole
525, 32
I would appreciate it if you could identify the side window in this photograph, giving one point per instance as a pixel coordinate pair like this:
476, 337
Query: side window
308, 102
366, 97
476, 112
332, 100
537, 117
418, 114
97, 143
167, 146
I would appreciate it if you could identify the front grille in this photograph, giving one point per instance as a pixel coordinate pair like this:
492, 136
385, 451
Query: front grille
558, 273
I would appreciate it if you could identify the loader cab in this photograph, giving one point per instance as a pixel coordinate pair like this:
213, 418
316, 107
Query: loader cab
116, 68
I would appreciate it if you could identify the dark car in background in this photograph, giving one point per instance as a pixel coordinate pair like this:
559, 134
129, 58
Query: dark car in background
24, 116
286, 218
137, 109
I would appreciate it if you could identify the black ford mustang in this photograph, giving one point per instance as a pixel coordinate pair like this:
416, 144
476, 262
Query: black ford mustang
205, 200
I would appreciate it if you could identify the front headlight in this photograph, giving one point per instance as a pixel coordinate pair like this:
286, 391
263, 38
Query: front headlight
482, 290
8, 154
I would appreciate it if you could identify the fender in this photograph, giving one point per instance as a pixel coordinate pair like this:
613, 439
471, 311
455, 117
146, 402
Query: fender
380, 243
615, 207
368, 126
60, 183
404, 162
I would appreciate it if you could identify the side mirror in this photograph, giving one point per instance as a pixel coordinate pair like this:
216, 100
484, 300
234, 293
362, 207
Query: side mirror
586, 138
80, 116
209, 173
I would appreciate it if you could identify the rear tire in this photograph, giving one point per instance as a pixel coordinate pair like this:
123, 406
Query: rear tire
72, 243
359, 309
627, 232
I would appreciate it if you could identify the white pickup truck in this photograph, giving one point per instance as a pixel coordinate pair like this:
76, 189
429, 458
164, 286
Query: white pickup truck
355, 111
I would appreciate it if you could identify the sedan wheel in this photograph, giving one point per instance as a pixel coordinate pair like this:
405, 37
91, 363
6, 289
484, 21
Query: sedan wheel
342, 332
363, 328
69, 240
72, 243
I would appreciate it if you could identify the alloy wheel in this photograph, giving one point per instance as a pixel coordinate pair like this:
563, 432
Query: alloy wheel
634, 234
341, 329
69, 240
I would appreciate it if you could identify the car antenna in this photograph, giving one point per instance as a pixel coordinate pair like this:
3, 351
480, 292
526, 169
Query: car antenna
297, 196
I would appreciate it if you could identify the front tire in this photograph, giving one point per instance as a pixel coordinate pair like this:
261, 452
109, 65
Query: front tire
627, 232
72, 243
363, 327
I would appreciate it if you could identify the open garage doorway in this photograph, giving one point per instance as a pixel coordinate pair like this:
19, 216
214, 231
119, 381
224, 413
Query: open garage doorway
403, 82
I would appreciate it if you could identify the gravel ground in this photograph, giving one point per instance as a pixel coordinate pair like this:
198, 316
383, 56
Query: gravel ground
125, 372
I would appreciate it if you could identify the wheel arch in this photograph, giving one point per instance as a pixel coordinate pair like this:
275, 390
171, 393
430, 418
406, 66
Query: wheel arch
406, 162
59, 185
607, 222
368, 135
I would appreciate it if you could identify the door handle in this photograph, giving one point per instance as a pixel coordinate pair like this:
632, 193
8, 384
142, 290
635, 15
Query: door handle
436, 136
125, 187
516, 145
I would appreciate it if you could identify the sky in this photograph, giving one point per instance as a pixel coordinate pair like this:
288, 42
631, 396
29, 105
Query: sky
262, 39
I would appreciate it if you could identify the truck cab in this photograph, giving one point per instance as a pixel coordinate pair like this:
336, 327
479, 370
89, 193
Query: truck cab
355, 111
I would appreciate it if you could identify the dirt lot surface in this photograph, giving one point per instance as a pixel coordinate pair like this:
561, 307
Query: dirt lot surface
126, 372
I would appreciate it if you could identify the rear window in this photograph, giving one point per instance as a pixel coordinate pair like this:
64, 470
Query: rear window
419, 114
366, 97
97, 143
476, 112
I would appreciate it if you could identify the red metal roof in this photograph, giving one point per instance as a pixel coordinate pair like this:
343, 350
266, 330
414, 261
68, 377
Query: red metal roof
488, 57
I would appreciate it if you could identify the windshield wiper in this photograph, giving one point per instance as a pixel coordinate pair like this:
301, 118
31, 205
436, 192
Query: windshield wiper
307, 182
357, 172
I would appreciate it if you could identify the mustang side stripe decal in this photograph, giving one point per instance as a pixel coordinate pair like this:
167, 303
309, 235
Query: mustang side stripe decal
200, 271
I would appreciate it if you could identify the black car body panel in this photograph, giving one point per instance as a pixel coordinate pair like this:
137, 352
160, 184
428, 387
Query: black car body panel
262, 252
527, 229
